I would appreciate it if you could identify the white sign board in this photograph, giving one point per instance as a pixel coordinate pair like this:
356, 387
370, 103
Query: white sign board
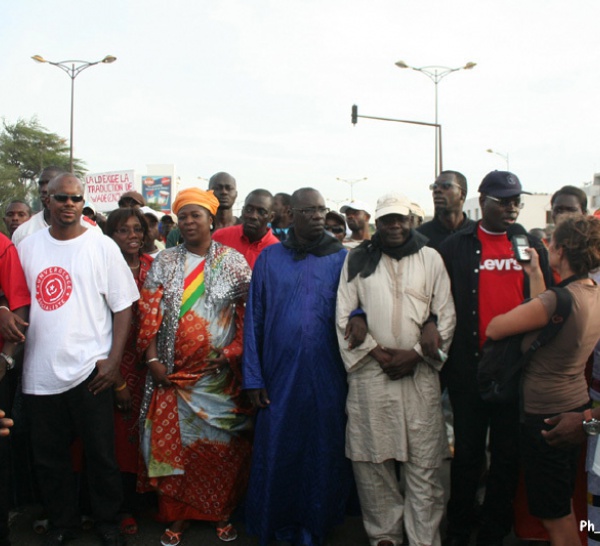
103, 190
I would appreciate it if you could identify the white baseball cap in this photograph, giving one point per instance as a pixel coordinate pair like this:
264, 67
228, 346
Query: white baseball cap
356, 205
152, 212
392, 203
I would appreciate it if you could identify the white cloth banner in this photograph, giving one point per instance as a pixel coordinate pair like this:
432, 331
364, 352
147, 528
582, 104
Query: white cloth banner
103, 190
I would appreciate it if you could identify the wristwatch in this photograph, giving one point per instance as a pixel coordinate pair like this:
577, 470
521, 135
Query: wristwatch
10, 361
591, 426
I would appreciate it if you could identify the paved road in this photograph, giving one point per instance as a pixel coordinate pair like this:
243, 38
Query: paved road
351, 533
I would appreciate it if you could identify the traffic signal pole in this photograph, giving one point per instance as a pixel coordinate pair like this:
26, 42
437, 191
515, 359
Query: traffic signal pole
438, 128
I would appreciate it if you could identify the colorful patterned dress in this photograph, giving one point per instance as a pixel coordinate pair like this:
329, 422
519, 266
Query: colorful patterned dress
196, 434
133, 370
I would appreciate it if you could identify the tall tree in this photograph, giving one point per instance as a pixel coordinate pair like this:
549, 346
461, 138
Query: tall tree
26, 147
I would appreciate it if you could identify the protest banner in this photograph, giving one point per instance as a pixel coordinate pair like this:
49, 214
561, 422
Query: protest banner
103, 190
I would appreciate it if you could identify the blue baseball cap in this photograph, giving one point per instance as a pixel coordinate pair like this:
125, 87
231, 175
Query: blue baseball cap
501, 184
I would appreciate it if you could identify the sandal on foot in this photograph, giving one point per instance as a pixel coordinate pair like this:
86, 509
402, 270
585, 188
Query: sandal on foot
227, 533
40, 526
87, 523
171, 538
128, 526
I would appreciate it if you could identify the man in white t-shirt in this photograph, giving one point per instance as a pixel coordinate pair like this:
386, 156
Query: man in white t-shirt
81, 293
41, 220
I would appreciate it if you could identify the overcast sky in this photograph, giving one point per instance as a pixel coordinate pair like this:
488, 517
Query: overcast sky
263, 88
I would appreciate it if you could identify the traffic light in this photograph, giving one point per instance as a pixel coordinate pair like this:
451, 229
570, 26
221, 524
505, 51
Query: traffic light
354, 114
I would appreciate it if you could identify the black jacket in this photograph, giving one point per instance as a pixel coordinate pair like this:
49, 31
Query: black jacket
462, 253
437, 233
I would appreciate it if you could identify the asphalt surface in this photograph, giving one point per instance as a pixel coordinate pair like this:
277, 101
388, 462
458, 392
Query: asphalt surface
351, 533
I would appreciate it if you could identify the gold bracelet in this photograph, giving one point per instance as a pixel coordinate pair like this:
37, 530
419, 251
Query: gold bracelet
155, 359
122, 387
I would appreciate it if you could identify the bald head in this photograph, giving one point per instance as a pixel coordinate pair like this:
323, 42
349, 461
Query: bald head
300, 195
65, 203
225, 188
64, 179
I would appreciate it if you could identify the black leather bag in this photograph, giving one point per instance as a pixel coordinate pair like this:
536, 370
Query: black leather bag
501, 364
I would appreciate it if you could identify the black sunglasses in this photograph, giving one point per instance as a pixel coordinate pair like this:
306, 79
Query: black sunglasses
63, 197
335, 229
442, 185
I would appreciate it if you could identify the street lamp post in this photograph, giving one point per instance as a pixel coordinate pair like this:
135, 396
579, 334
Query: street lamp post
351, 184
73, 68
503, 156
436, 74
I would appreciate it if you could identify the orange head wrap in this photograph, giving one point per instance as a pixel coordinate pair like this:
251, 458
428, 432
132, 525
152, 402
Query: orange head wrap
196, 196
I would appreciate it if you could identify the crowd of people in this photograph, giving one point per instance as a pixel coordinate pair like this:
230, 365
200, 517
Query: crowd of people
283, 369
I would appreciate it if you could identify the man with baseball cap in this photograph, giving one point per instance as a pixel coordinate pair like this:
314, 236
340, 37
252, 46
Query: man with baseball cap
394, 401
487, 281
358, 214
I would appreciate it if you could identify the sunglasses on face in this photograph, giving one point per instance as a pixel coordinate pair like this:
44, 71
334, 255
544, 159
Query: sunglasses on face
507, 202
63, 198
442, 185
335, 229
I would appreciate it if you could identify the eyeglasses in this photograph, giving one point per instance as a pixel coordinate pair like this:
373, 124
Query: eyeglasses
442, 185
335, 229
63, 198
507, 202
311, 211
249, 209
138, 230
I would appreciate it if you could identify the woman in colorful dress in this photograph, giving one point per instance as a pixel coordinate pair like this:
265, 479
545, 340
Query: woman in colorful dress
127, 227
196, 437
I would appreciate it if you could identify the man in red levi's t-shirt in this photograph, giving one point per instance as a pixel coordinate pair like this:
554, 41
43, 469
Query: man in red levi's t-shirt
486, 281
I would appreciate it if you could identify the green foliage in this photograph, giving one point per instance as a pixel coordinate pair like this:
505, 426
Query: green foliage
26, 148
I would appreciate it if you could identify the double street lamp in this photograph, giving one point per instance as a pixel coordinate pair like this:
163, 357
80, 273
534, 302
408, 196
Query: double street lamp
351, 184
73, 68
436, 74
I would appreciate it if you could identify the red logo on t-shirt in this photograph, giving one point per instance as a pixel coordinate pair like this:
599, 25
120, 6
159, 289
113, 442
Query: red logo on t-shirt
53, 288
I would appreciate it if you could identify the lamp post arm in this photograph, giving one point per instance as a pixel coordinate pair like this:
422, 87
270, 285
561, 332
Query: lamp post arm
73, 71
436, 73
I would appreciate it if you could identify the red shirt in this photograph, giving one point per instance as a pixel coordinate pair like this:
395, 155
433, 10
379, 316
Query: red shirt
12, 279
501, 279
234, 237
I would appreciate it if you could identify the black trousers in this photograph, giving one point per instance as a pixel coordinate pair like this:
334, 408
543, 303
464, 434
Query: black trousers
4, 466
55, 421
472, 419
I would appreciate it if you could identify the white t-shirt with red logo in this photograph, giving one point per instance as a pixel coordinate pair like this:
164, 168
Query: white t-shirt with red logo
74, 285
